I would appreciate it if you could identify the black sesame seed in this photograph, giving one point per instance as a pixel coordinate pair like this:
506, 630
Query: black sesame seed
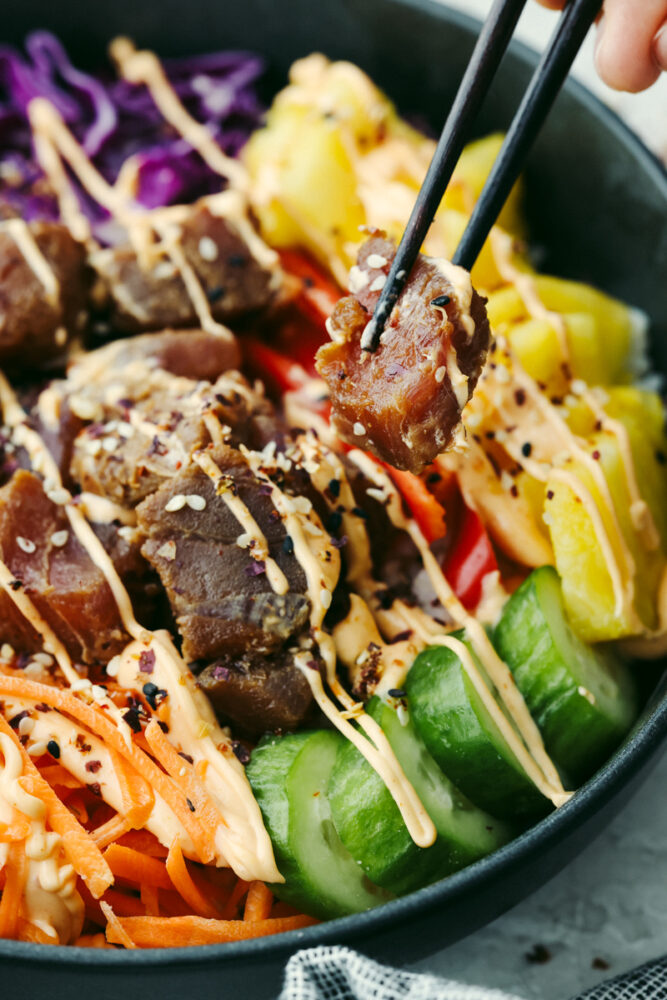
396, 693
53, 749
526, 449
661, 457
16, 584
132, 719
190, 805
288, 546
150, 690
360, 512
441, 301
240, 752
215, 294
334, 487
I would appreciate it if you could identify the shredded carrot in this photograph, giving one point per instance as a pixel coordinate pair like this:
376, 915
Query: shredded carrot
81, 851
98, 723
75, 802
128, 864
150, 899
173, 905
258, 902
56, 774
116, 933
92, 941
233, 903
18, 829
143, 841
182, 880
172, 932
29, 932
113, 829
12, 894
206, 810
138, 798
124, 904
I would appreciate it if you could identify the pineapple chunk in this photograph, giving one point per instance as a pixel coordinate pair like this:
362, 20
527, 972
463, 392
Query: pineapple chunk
473, 168
579, 556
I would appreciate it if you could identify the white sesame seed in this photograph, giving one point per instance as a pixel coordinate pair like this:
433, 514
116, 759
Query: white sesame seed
44, 658
585, 693
167, 550
363, 656
501, 436
506, 481
92, 447
302, 505
502, 374
359, 429
33, 670
165, 269
325, 598
6, 652
59, 538
98, 692
402, 714
84, 408
125, 430
195, 502
183, 771
376, 260
113, 666
378, 283
109, 444
243, 541
578, 386
25, 544
177, 502
376, 494
60, 336
208, 248
26, 725
37, 749
58, 495
127, 532
440, 374
311, 467
547, 518
81, 684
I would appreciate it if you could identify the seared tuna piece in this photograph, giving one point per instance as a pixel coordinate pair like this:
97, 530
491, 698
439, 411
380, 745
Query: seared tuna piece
221, 597
237, 272
42, 293
257, 693
404, 401
55, 571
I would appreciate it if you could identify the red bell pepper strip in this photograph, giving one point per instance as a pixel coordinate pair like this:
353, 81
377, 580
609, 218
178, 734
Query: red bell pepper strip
470, 559
318, 294
423, 506
279, 373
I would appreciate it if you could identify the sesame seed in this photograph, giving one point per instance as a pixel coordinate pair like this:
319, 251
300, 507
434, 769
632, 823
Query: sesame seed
502, 374
113, 666
376, 494
60, 336
80, 685
506, 481
440, 374
6, 652
44, 658
26, 725
98, 692
378, 283
302, 505
37, 749
25, 544
376, 260
109, 444
244, 540
325, 598
125, 430
165, 269
177, 502
359, 429
195, 502
127, 532
53, 749
59, 538
58, 495
208, 248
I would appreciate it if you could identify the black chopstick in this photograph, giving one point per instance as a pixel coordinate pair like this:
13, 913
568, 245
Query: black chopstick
489, 49
542, 90
545, 83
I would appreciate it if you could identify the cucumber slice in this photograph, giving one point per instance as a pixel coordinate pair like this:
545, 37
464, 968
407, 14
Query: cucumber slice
583, 699
370, 824
464, 739
289, 777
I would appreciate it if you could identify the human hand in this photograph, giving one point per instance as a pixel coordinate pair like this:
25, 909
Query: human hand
631, 47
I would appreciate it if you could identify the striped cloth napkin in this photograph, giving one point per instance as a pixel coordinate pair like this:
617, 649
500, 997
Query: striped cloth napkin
335, 973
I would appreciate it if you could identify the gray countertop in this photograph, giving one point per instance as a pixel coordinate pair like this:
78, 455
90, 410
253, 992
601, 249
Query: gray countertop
610, 904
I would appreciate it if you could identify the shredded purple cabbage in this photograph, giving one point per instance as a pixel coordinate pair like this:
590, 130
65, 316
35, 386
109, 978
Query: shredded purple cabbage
113, 119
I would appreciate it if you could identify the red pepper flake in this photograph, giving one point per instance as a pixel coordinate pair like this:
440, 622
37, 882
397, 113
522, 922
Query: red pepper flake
16, 720
94, 787
163, 726
240, 752
41, 707
93, 766
550, 494
186, 756
596, 455
147, 661
81, 744
132, 719
400, 637
520, 396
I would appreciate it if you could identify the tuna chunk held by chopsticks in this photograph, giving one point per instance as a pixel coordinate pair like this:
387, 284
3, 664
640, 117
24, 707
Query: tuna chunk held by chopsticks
404, 402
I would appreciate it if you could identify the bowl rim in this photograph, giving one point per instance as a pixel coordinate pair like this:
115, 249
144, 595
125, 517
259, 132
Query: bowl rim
643, 743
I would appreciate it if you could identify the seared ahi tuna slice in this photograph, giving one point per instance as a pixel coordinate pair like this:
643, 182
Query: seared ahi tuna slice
404, 402
145, 421
55, 571
221, 597
256, 694
42, 293
238, 273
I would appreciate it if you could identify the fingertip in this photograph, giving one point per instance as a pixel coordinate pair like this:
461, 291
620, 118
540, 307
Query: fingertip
660, 48
625, 70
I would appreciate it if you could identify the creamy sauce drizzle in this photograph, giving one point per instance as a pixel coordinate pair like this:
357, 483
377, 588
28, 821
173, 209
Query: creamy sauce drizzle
34, 258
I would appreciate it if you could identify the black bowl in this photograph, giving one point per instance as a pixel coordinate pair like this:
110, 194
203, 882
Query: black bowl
597, 208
